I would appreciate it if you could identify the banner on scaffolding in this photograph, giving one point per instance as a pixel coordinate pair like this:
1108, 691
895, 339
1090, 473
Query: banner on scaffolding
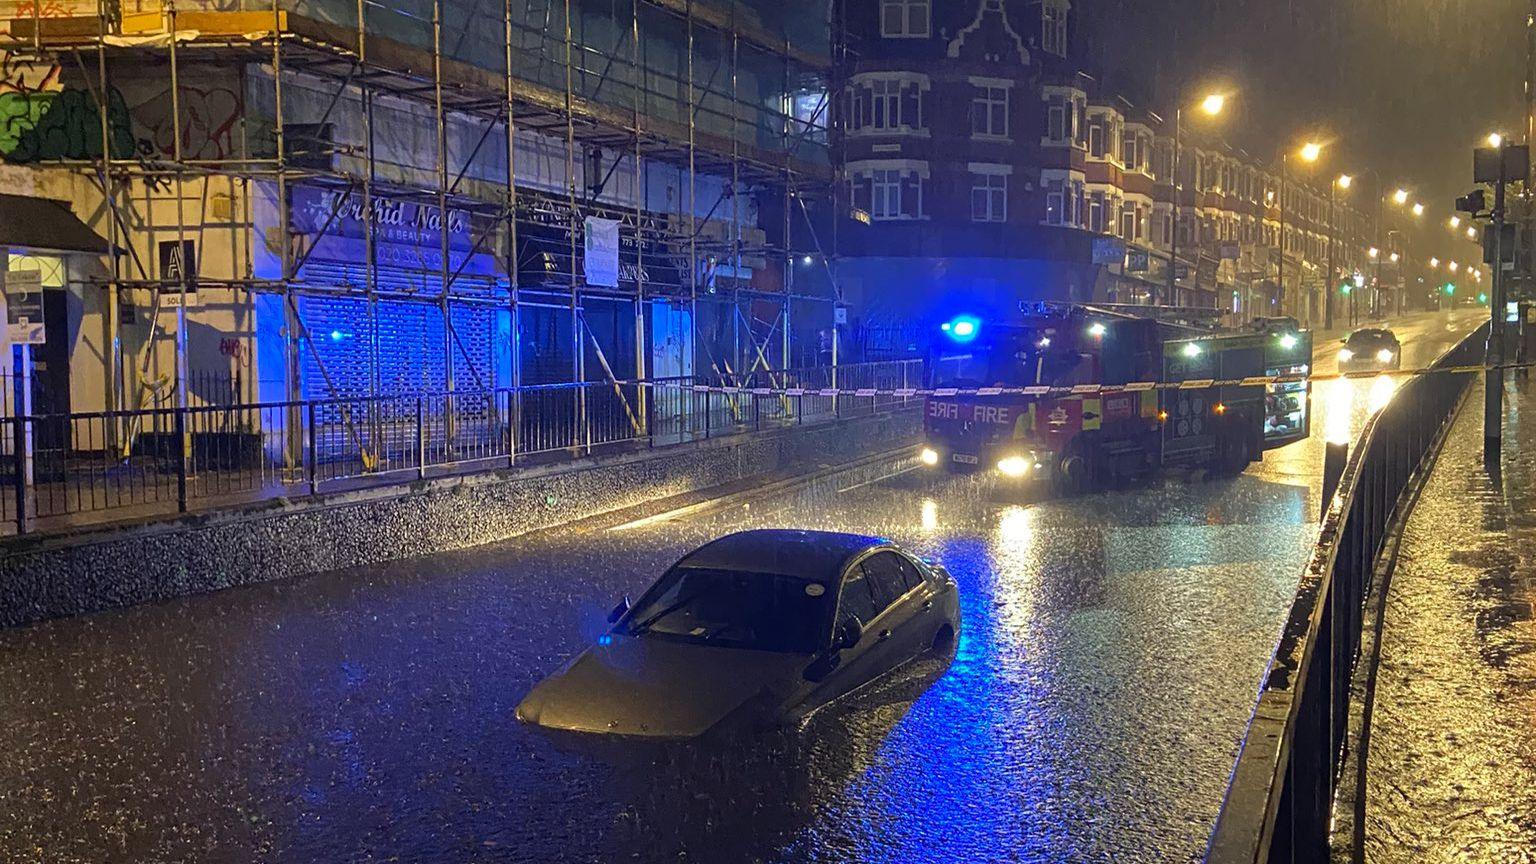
602, 252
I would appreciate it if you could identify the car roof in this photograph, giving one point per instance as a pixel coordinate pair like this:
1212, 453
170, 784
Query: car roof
818, 555
1372, 333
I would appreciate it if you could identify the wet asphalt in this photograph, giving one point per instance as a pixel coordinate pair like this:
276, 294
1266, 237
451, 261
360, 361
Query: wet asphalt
1111, 651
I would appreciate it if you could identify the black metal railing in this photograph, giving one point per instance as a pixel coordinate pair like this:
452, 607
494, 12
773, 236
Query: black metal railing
1281, 795
124, 464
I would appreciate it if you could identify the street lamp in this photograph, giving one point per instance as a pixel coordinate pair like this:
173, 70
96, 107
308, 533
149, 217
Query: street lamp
1454, 266
1309, 152
1471, 233
1455, 222
1211, 106
1434, 263
1400, 197
1418, 209
1495, 140
1344, 181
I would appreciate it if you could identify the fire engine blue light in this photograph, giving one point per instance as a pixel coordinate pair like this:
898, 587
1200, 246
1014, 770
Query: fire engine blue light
337, 335
962, 329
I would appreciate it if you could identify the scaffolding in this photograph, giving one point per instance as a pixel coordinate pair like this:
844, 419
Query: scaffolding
719, 107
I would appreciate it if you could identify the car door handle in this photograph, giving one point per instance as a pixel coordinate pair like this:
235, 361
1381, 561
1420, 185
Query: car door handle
884, 635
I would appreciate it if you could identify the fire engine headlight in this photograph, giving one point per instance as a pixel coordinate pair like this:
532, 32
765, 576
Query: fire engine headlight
1014, 466
1345, 355
1384, 355
929, 456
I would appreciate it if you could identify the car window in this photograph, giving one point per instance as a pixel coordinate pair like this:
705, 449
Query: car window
732, 609
857, 601
910, 576
886, 580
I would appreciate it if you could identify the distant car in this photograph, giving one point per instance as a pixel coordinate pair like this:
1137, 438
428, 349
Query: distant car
1276, 324
1370, 349
755, 629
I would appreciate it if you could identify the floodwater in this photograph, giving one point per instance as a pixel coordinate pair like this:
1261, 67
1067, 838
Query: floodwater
1111, 651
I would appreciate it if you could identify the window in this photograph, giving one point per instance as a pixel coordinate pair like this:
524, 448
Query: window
1128, 222
989, 112
1056, 121
857, 601
885, 578
887, 197
1054, 203
1096, 138
1096, 212
989, 196
1053, 37
1129, 152
904, 19
732, 609
888, 104
885, 100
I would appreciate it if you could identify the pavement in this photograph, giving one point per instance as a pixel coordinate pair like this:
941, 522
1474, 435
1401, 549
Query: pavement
1111, 651
1451, 772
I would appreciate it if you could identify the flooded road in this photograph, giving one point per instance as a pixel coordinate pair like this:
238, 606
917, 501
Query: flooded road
1111, 651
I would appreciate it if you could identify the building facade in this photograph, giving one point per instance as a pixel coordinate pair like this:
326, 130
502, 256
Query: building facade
984, 168
291, 201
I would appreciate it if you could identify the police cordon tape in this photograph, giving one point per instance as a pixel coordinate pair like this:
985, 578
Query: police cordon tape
1076, 389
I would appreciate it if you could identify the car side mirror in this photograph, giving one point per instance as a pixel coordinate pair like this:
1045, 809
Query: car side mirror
848, 635
619, 610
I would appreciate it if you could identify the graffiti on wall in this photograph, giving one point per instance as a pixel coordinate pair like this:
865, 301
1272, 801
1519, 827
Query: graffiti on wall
210, 121
43, 119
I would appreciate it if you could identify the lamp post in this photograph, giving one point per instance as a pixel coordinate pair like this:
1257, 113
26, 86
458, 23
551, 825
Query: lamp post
1344, 181
1309, 152
1211, 105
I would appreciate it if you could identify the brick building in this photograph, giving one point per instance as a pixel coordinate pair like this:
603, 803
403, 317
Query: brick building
984, 167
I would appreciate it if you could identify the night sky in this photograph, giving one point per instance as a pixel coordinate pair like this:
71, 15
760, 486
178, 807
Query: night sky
1411, 85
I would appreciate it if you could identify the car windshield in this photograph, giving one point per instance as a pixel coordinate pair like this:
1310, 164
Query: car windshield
759, 611
1369, 339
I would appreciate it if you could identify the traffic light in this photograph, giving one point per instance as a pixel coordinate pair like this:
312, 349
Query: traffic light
1450, 289
1473, 202
1483, 299
1347, 286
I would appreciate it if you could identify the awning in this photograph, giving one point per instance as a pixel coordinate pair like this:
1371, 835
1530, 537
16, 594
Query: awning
43, 223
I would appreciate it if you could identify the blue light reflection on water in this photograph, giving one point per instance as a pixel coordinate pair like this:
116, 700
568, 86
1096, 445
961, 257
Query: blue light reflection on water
947, 782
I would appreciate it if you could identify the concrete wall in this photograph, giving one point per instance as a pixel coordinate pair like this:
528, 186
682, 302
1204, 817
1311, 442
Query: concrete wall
43, 578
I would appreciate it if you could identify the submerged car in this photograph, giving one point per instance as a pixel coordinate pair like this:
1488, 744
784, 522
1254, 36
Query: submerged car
1370, 349
755, 629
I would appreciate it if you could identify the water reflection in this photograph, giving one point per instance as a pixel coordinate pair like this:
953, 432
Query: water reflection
930, 515
1338, 402
1383, 387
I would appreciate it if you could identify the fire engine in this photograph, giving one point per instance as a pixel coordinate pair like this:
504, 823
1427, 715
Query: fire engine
1077, 396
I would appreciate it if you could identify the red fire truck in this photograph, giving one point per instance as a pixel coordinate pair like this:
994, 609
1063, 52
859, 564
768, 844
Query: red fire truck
1000, 399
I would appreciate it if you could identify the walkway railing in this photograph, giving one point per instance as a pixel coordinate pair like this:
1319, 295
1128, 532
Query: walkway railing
1279, 802
104, 465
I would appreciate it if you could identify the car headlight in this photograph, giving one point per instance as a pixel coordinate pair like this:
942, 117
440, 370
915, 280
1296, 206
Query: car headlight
929, 456
1014, 466
1345, 355
1384, 355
